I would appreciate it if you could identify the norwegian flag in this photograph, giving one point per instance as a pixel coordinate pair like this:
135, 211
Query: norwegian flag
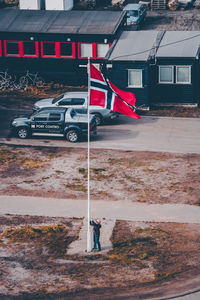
106, 94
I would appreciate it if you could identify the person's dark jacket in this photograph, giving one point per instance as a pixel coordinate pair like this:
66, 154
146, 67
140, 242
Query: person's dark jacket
96, 227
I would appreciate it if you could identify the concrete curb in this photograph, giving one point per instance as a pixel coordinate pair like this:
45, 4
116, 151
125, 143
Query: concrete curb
175, 296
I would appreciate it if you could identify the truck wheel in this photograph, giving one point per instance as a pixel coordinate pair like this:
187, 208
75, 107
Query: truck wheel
98, 119
72, 136
22, 133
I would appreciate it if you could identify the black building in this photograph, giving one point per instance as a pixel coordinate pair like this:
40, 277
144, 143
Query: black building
157, 66
129, 61
176, 75
56, 42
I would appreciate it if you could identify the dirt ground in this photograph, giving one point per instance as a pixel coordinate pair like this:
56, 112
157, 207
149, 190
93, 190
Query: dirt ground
172, 20
35, 264
130, 175
148, 259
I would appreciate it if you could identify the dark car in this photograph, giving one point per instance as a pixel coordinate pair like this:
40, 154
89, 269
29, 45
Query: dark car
54, 121
135, 14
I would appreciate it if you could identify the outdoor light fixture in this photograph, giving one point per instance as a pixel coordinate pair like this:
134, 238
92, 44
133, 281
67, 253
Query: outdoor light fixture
105, 41
68, 39
32, 38
109, 66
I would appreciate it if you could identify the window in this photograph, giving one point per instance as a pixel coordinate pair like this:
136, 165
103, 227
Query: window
12, 48
21, 48
135, 78
85, 50
67, 101
102, 49
57, 98
30, 49
183, 74
166, 74
66, 49
54, 117
41, 117
48, 49
58, 49
78, 101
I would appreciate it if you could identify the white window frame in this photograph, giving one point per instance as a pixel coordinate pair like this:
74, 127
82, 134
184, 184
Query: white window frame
166, 82
141, 75
185, 66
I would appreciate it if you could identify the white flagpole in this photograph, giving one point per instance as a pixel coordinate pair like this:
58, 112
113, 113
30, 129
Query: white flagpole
88, 232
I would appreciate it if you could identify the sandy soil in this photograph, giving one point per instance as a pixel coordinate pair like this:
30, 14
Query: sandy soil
35, 263
135, 176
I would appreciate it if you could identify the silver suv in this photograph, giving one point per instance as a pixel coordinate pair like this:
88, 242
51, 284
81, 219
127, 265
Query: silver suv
76, 100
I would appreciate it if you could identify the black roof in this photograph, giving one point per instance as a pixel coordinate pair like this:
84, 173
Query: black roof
64, 22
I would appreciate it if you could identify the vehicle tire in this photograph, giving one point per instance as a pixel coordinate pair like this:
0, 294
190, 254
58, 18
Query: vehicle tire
98, 119
22, 133
72, 136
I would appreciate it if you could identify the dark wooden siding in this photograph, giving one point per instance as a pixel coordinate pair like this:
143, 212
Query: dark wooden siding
59, 69
182, 93
118, 74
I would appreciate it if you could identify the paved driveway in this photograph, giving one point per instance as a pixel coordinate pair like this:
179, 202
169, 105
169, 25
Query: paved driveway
164, 134
124, 210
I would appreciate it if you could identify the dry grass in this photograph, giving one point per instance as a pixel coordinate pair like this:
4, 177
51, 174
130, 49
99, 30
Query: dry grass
7, 156
143, 255
33, 164
128, 162
164, 246
76, 187
59, 172
54, 237
190, 112
135, 176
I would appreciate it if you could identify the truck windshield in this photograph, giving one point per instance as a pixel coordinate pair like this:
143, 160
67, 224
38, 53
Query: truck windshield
132, 13
33, 114
57, 98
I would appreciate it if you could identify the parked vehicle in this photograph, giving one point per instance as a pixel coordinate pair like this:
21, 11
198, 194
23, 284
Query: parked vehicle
146, 3
136, 14
54, 121
185, 3
76, 100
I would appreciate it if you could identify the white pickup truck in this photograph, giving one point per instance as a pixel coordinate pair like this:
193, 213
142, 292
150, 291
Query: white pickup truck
76, 100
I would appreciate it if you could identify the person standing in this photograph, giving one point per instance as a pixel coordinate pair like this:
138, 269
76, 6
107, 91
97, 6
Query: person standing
96, 234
